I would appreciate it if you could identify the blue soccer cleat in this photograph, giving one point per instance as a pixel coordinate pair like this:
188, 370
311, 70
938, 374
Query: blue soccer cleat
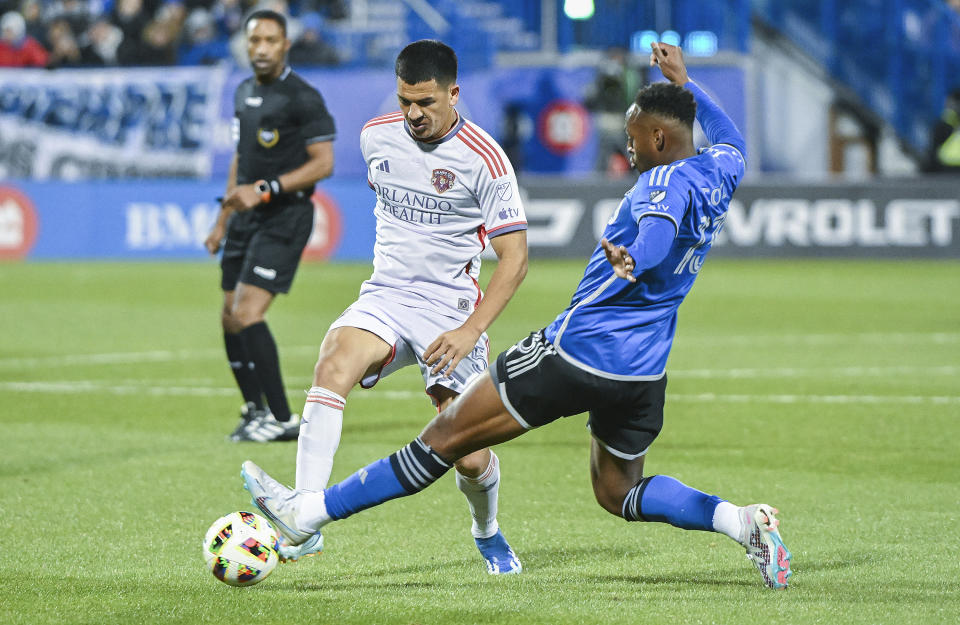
276, 501
764, 546
499, 556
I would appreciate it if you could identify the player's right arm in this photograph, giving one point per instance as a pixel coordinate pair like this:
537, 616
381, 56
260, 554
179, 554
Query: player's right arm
717, 126
214, 239
655, 237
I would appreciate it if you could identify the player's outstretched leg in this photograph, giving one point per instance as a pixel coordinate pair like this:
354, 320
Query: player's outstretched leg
482, 494
661, 498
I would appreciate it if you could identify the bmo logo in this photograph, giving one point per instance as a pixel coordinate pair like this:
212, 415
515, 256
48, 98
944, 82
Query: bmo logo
18, 224
327, 228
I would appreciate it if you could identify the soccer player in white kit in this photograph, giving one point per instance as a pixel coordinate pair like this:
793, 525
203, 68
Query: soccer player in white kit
444, 189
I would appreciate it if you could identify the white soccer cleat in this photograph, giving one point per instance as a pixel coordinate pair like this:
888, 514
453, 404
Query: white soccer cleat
292, 553
276, 501
764, 546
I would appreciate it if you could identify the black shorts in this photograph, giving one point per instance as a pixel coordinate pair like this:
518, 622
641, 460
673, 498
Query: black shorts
538, 386
263, 248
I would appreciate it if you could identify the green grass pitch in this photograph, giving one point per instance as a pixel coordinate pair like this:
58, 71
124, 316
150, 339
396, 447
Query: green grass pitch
829, 389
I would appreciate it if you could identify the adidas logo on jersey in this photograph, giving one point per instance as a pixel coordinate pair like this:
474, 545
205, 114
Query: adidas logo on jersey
384, 166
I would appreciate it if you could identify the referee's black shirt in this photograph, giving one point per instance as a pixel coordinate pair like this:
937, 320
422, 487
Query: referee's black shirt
274, 123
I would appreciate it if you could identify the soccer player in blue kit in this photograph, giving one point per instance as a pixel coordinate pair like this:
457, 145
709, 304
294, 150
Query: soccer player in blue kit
605, 354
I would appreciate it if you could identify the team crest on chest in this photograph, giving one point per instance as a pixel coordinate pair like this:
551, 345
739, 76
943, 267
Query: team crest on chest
442, 179
268, 138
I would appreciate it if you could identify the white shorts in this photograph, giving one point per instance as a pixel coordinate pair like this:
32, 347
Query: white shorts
410, 331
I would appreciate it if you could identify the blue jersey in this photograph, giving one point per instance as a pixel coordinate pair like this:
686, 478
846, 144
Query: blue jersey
624, 330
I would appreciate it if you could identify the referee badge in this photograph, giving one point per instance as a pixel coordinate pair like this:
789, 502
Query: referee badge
268, 138
442, 179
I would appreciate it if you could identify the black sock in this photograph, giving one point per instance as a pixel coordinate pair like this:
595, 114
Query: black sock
242, 369
262, 350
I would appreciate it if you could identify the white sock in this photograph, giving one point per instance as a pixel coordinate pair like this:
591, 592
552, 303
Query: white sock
481, 493
311, 511
726, 520
322, 422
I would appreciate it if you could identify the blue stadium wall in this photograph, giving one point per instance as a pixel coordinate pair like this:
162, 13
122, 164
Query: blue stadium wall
170, 219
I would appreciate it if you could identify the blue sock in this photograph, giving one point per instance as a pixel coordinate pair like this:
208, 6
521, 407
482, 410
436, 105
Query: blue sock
406, 472
662, 499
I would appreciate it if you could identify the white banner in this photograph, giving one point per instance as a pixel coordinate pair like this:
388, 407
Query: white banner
114, 123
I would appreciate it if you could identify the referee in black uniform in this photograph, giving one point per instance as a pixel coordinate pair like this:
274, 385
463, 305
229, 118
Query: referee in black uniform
284, 137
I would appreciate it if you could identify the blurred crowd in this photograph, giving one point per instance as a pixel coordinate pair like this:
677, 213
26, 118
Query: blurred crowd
103, 33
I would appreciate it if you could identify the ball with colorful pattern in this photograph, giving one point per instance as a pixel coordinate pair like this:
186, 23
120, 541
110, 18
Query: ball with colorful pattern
240, 549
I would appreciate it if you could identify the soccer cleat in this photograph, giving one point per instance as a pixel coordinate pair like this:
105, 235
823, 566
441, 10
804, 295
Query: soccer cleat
249, 413
764, 546
266, 429
276, 501
292, 553
499, 556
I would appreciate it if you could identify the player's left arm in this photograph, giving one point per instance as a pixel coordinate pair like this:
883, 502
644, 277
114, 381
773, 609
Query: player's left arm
446, 352
319, 165
310, 115
717, 126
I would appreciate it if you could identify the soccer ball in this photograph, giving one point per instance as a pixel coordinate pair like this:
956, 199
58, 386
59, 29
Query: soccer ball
241, 549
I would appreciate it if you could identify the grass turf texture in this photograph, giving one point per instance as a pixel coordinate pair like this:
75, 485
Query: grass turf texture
828, 389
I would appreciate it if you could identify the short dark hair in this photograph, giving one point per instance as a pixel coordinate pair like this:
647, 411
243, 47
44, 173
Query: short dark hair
668, 100
266, 14
427, 59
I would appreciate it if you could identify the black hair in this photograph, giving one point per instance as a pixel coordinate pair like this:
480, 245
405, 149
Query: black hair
667, 100
427, 59
267, 14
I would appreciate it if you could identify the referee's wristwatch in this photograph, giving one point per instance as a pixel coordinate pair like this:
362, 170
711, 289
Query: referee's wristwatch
267, 189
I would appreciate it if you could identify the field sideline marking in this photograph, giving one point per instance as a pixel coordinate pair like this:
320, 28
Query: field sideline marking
206, 391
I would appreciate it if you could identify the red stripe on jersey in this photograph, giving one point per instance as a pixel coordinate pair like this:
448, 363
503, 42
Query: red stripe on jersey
494, 152
386, 116
482, 235
515, 223
383, 119
489, 155
473, 147
475, 283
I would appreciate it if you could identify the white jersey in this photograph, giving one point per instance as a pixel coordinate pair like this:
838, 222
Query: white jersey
437, 204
